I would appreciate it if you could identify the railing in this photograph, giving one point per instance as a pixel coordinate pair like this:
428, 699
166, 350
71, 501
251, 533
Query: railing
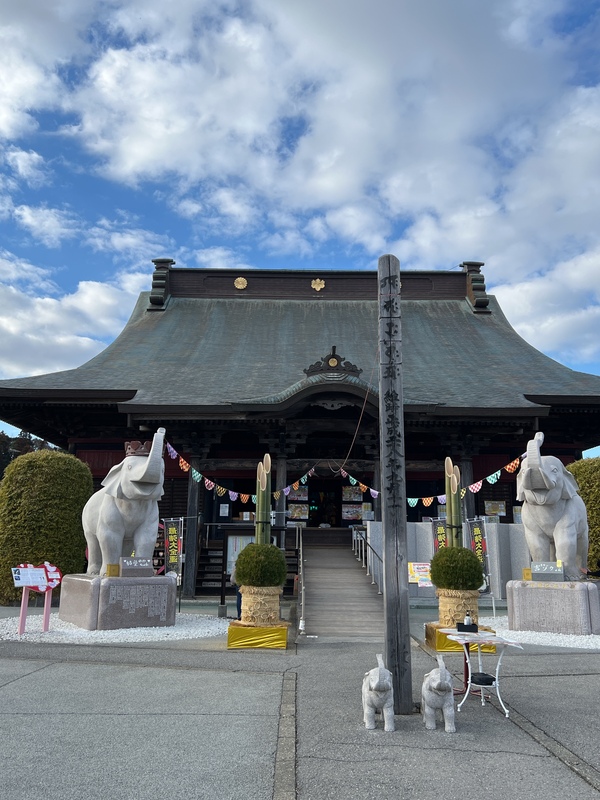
299, 544
371, 560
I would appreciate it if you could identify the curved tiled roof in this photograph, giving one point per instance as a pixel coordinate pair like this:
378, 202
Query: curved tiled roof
206, 352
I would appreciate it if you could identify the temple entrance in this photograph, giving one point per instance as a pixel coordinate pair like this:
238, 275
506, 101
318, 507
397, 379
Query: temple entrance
324, 503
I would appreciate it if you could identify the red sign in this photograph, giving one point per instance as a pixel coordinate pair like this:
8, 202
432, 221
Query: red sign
42, 579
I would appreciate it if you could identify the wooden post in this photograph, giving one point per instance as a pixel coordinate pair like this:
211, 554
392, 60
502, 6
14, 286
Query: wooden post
190, 545
393, 485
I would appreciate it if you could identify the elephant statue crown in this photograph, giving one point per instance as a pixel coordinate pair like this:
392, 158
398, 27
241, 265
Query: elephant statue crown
137, 448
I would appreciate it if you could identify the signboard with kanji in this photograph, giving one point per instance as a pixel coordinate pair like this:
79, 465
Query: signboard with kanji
174, 546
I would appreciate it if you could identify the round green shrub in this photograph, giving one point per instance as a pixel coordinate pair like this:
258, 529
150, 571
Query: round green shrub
260, 565
456, 568
42, 496
587, 474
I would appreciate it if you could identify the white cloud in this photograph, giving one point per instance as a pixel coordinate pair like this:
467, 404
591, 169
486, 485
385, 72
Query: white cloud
36, 38
559, 312
47, 225
18, 271
44, 334
437, 131
219, 258
28, 165
124, 243
236, 204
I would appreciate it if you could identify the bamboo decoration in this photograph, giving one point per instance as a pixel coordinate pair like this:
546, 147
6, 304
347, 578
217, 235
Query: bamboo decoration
453, 509
262, 522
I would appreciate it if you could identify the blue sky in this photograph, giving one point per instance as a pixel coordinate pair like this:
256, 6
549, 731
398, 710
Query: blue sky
304, 134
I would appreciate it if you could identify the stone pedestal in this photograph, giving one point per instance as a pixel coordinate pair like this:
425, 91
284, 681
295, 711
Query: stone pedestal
553, 607
108, 604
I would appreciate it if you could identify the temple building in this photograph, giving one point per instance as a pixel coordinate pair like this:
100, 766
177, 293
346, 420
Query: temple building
236, 364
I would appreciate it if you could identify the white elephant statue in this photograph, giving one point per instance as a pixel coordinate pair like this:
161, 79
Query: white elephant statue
123, 516
554, 515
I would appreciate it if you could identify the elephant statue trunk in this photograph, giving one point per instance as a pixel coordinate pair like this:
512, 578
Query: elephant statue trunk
554, 515
122, 517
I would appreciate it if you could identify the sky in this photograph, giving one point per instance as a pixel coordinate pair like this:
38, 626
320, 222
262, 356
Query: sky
306, 134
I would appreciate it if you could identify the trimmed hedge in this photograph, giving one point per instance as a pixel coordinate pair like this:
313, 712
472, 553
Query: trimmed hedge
260, 565
42, 496
456, 568
587, 474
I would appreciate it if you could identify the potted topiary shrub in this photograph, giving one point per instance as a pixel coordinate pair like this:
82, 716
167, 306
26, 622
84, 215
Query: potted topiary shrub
260, 572
457, 574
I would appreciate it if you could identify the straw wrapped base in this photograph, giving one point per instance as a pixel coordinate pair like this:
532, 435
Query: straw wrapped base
260, 605
454, 604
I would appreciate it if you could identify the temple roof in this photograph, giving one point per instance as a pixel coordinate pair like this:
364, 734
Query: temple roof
203, 348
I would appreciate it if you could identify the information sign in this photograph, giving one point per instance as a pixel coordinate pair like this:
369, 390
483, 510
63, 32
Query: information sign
43, 579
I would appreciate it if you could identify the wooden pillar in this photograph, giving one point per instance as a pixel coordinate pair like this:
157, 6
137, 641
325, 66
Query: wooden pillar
377, 487
393, 485
190, 546
466, 472
280, 484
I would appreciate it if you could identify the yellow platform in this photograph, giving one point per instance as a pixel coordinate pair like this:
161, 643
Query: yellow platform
244, 636
440, 642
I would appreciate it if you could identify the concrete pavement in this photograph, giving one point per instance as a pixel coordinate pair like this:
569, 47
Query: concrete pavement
190, 719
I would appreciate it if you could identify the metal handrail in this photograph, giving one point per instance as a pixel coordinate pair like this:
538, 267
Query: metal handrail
369, 557
299, 541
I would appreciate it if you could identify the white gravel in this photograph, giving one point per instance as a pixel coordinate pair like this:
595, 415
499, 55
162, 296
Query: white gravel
197, 626
500, 625
187, 626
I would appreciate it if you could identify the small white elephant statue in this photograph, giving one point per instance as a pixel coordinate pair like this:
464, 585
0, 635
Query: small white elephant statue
437, 694
123, 516
554, 515
378, 695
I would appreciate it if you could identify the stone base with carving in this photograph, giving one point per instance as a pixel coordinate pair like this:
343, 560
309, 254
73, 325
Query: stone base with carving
108, 604
572, 607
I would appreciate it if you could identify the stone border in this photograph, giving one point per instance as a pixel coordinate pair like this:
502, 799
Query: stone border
284, 779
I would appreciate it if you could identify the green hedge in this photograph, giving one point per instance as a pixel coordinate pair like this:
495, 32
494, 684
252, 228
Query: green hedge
42, 496
260, 565
587, 474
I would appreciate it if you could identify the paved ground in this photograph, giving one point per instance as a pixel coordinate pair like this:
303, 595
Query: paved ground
190, 719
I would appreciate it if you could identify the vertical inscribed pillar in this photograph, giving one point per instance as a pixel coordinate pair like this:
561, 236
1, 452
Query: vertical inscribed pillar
393, 485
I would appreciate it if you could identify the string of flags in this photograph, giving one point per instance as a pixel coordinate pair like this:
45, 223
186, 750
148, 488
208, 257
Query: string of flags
245, 498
